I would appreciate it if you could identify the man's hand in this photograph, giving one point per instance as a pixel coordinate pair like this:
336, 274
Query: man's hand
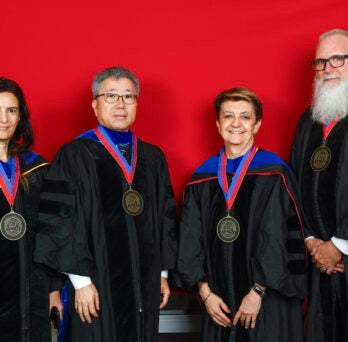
56, 301
87, 302
248, 310
327, 256
312, 244
165, 292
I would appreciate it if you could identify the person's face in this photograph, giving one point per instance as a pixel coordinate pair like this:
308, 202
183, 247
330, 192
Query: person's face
237, 123
116, 116
327, 47
9, 115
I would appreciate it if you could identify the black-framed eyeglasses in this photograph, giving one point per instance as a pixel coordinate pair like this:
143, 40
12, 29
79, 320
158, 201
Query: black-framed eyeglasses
335, 61
113, 98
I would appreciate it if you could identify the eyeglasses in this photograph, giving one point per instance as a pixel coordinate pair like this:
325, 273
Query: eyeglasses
113, 98
336, 61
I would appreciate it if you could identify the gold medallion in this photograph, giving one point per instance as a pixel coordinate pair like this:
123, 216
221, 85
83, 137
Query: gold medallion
13, 226
320, 158
132, 202
228, 229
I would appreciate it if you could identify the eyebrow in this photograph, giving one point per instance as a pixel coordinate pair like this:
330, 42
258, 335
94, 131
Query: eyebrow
232, 112
114, 89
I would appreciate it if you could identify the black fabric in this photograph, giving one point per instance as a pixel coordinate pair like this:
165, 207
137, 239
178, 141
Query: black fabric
24, 288
324, 196
122, 254
269, 225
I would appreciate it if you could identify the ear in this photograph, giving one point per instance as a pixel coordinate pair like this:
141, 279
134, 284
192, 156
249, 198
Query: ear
257, 126
94, 106
218, 125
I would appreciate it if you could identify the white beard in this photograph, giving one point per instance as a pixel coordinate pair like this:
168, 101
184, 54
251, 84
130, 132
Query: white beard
329, 100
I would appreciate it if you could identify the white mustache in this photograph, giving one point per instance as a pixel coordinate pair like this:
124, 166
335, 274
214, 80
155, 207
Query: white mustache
329, 77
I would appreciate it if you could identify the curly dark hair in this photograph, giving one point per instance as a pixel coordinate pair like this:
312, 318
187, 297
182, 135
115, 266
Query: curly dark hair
23, 137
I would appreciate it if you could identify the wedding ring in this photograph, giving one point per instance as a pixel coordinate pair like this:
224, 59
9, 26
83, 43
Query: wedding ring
323, 269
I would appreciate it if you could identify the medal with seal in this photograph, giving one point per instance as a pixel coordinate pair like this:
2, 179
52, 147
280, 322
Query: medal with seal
132, 202
320, 158
228, 229
13, 226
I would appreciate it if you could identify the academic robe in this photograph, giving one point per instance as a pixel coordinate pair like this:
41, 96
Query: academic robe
269, 250
324, 196
24, 287
85, 231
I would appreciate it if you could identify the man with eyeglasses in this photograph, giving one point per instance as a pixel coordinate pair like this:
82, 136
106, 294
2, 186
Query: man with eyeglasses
319, 157
107, 220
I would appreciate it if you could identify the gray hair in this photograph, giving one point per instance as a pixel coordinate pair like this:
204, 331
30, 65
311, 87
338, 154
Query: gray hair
334, 32
116, 73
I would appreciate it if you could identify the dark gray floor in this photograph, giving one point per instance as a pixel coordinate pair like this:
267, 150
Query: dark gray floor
163, 337
179, 338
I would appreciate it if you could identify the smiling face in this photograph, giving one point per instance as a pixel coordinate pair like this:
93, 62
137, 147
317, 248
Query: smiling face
237, 125
9, 115
117, 116
328, 47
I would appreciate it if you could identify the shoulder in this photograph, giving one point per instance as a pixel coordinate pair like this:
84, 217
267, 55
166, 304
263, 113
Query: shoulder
306, 118
149, 148
268, 160
31, 161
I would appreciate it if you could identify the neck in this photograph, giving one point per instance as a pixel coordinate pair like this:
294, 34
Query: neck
4, 151
235, 151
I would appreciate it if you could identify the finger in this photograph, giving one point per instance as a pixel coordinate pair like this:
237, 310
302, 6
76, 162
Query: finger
164, 300
96, 300
221, 322
79, 310
236, 317
86, 313
247, 322
253, 322
61, 311
225, 307
224, 319
93, 311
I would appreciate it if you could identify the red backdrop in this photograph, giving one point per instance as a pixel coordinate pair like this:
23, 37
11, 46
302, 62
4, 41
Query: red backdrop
184, 53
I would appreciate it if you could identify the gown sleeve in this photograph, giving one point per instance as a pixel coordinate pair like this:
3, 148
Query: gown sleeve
66, 208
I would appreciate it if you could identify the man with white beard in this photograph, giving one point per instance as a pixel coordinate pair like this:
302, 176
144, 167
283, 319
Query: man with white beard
319, 157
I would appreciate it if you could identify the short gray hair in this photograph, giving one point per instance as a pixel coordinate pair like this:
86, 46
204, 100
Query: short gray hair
116, 73
334, 32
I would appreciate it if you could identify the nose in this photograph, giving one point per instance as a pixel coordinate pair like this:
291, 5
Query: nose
3, 116
119, 103
235, 121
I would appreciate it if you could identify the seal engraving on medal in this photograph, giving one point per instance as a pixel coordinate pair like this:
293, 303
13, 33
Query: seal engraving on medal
228, 229
320, 158
132, 203
13, 226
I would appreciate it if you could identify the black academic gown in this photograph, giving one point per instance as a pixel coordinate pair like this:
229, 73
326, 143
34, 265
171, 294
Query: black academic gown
324, 195
269, 250
85, 231
24, 288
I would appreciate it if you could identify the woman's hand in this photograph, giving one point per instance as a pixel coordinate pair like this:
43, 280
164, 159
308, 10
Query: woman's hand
248, 310
214, 305
216, 309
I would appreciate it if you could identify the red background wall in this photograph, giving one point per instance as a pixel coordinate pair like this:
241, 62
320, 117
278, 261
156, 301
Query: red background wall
184, 53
